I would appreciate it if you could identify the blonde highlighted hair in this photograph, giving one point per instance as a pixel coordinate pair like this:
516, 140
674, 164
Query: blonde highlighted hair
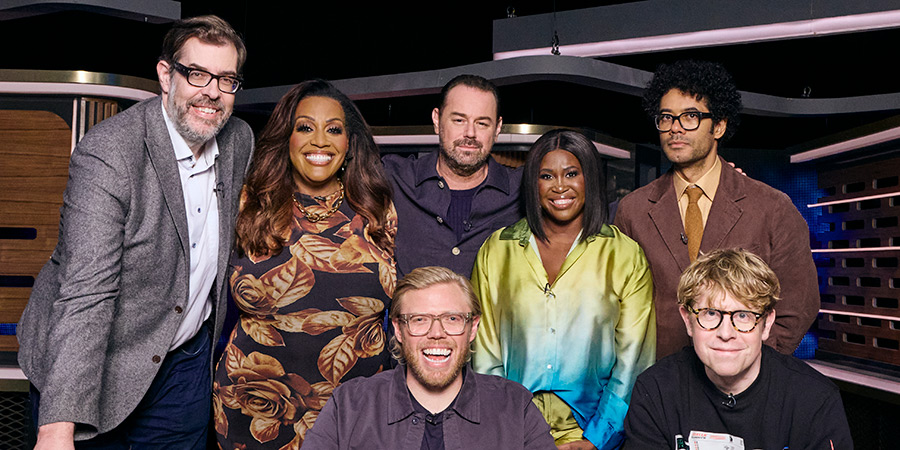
423, 278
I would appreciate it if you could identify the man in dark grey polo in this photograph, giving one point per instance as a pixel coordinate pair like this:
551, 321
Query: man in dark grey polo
449, 201
432, 400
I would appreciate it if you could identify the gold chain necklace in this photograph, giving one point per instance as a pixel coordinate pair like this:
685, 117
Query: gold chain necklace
315, 217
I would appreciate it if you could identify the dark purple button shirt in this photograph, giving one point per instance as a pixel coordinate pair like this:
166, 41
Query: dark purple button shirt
377, 413
422, 200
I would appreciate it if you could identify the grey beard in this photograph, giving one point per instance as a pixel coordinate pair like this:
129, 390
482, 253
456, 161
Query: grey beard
191, 136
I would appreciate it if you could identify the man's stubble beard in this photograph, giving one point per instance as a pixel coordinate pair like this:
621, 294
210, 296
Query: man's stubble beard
454, 162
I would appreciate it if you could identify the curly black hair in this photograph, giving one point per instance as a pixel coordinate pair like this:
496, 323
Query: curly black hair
705, 81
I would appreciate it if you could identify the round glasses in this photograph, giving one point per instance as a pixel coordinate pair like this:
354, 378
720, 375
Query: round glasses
454, 324
689, 120
200, 78
710, 318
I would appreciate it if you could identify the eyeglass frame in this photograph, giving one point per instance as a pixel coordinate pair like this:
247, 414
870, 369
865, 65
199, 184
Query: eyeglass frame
696, 313
467, 317
677, 118
185, 71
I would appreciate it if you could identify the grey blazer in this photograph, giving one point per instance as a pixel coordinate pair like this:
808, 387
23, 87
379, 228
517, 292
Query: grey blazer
103, 313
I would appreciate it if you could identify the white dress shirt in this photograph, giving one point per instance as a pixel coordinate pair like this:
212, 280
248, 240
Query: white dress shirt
198, 183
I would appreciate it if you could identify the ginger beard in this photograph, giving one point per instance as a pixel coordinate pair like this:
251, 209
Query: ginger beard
435, 359
437, 351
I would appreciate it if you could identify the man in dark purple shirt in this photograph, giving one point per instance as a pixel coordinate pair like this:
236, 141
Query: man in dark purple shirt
432, 401
449, 201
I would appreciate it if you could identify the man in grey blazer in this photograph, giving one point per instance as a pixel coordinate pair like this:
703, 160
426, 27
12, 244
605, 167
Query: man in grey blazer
116, 338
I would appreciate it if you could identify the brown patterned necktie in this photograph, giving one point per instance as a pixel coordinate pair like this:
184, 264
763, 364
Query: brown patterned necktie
693, 221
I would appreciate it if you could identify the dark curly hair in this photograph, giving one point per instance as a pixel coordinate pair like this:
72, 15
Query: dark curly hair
704, 80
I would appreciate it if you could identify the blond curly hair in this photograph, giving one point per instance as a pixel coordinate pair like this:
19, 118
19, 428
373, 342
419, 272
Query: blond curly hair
736, 271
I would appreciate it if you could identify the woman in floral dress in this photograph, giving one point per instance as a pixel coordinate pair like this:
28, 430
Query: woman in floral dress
313, 271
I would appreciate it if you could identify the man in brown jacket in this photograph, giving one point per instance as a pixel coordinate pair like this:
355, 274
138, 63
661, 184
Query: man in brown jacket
703, 204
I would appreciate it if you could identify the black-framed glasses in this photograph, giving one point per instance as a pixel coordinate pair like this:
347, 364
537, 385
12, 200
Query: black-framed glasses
454, 324
200, 78
711, 318
689, 120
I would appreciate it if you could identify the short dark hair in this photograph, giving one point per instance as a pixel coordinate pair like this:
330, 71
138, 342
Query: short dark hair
595, 202
704, 80
472, 81
209, 29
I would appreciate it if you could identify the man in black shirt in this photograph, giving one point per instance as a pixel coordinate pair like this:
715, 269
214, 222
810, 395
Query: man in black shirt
728, 382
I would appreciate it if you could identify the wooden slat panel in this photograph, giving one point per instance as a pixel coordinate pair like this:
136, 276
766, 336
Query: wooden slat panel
36, 189
34, 159
12, 303
31, 120
511, 159
868, 349
856, 281
842, 177
18, 162
23, 262
24, 214
9, 344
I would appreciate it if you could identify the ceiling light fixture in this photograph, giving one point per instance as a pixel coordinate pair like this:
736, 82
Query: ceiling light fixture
755, 33
848, 145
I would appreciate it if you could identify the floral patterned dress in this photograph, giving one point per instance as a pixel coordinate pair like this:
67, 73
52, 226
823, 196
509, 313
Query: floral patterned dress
311, 317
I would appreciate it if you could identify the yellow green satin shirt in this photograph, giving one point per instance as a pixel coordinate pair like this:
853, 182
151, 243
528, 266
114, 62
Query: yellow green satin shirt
585, 337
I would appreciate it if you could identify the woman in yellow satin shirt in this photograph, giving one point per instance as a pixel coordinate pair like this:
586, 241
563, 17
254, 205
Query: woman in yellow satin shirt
567, 299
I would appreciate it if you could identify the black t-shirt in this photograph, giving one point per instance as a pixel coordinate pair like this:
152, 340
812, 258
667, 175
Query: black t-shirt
433, 439
790, 405
460, 208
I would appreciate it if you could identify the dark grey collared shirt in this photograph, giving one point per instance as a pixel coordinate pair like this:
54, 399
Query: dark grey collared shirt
377, 413
422, 199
